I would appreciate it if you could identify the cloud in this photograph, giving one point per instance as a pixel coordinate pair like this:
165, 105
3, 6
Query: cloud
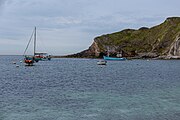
72, 24
118, 21
2, 2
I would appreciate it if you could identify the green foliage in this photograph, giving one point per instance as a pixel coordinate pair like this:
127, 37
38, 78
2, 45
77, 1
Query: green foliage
155, 39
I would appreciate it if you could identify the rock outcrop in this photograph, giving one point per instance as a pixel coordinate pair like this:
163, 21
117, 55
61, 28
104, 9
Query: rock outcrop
161, 41
175, 47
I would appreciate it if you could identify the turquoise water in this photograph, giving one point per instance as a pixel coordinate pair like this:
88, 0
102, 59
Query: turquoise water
79, 89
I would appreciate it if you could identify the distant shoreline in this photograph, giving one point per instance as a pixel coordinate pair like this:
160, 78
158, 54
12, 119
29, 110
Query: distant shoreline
128, 58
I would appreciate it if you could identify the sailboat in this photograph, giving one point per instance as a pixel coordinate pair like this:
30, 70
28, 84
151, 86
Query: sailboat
31, 59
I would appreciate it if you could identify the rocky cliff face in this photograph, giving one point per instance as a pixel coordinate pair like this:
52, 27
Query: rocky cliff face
174, 51
160, 41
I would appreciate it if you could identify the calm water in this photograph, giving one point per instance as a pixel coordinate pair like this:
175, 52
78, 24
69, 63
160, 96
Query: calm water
78, 89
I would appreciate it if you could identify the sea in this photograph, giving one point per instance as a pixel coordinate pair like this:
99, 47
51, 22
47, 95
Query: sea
79, 89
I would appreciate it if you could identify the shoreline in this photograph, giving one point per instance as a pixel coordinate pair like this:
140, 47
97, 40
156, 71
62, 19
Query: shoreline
128, 58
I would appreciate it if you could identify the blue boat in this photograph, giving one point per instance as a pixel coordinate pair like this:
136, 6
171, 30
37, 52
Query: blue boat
113, 58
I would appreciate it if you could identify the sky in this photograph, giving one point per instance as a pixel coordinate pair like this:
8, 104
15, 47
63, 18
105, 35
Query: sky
70, 26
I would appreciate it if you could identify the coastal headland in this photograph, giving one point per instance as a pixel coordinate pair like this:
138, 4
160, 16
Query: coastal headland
160, 42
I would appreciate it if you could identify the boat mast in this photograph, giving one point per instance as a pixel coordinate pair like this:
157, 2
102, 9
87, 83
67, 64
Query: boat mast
34, 41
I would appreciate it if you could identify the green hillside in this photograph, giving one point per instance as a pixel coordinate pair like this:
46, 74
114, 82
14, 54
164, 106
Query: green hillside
156, 39
150, 42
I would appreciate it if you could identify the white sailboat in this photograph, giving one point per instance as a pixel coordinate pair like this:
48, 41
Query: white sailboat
30, 59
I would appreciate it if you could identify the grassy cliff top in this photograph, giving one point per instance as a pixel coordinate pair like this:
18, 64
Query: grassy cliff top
155, 39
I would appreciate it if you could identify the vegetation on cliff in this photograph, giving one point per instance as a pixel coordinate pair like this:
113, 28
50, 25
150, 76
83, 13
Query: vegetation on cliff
147, 42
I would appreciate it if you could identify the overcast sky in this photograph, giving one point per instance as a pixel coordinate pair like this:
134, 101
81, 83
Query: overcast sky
69, 26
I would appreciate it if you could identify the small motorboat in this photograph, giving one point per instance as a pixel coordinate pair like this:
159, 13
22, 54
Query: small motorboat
101, 62
114, 59
29, 60
17, 65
